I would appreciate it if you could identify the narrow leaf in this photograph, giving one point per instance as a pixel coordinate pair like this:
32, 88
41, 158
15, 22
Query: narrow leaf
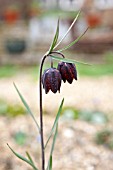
55, 122
69, 60
22, 158
55, 38
50, 163
26, 106
68, 30
49, 167
74, 42
54, 139
29, 157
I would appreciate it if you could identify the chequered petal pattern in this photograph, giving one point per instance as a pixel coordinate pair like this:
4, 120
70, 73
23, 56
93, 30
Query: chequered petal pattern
68, 71
51, 80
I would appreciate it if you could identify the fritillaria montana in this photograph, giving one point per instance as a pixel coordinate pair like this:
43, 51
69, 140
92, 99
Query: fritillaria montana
52, 77
51, 80
68, 71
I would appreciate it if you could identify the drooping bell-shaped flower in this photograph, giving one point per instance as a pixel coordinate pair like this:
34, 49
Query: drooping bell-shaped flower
51, 80
68, 71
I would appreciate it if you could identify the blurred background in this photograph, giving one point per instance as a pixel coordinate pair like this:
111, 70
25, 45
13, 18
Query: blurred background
85, 139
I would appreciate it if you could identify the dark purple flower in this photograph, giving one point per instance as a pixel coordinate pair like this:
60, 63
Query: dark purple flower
51, 80
68, 71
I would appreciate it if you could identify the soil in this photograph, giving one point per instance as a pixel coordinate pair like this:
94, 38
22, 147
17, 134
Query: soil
75, 148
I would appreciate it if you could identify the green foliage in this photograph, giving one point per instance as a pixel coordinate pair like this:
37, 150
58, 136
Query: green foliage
57, 12
29, 157
50, 163
72, 43
55, 131
108, 57
55, 122
55, 44
55, 38
70, 113
93, 117
8, 71
68, 60
83, 70
105, 137
27, 107
96, 70
49, 167
7, 109
23, 158
3, 107
65, 35
15, 110
20, 138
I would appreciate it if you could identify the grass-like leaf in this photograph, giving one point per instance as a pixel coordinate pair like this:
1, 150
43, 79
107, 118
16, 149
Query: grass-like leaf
50, 163
26, 106
68, 30
68, 60
55, 122
55, 38
49, 167
73, 42
22, 158
54, 139
29, 157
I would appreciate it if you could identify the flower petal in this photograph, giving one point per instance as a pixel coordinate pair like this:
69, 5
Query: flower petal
51, 80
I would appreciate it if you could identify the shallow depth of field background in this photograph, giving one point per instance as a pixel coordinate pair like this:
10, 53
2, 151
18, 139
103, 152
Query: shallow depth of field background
85, 139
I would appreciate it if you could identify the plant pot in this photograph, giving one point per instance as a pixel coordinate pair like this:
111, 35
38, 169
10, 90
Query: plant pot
11, 16
93, 20
14, 46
